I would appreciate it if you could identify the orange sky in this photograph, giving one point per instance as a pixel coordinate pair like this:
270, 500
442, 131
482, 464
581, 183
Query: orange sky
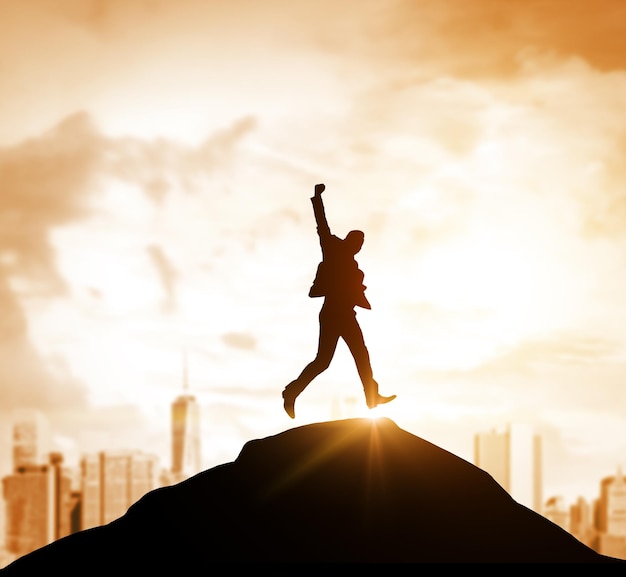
156, 163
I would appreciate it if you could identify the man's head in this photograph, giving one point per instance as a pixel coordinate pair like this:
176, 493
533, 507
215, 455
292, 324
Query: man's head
354, 240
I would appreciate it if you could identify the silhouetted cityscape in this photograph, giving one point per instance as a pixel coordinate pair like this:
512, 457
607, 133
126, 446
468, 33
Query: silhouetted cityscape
45, 500
513, 457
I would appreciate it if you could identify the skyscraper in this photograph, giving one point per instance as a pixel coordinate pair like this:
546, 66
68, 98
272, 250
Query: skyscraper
31, 434
114, 484
37, 496
513, 458
90, 488
581, 522
186, 448
112, 481
612, 516
144, 475
29, 497
38, 505
613, 504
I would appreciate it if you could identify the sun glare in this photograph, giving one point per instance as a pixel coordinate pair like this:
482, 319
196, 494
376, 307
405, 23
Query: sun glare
374, 415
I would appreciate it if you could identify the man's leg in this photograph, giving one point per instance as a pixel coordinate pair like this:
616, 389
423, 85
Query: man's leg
327, 343
353, 335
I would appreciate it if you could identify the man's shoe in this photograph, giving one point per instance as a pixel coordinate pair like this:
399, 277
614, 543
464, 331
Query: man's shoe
382, 400
379, 400
289, 403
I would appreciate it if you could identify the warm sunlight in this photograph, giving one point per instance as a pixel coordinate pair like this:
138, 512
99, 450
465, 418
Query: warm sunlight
374, 414
158, 172
181, 117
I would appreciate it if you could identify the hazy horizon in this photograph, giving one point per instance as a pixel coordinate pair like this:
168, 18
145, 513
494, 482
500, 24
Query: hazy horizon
156, 164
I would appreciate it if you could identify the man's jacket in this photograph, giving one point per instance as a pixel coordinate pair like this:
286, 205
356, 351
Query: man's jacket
338, 276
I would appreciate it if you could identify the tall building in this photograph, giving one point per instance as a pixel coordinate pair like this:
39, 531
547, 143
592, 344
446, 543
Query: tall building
513, 458
613, 505
111, 481
612, 516
37, 495
64, 502
90, 515
29, 497
581, 522
186, 447
2, 530
144, 475
115, 480
38, 505
31, 434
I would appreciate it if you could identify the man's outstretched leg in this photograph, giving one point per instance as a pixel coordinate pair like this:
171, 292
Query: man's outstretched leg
327, 344
353, 336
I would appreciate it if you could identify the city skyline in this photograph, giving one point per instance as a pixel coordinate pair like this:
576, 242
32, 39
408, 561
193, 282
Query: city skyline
338, 408
43, 503
157, 160
512, 453
44, 498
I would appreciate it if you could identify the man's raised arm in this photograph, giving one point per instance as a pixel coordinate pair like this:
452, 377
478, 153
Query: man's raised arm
323, 230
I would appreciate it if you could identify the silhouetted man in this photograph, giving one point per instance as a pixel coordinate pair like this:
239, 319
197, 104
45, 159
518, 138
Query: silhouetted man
340, 281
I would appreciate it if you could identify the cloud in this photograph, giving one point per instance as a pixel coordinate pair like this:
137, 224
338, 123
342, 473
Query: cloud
487, 38
560, 372
27, 379
105, 17
158, 165
167, 275
45, 183
57, 180
242, 341
564, 350
604, 198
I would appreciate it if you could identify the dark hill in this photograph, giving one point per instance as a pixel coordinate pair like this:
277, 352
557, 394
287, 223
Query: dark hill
345, 491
